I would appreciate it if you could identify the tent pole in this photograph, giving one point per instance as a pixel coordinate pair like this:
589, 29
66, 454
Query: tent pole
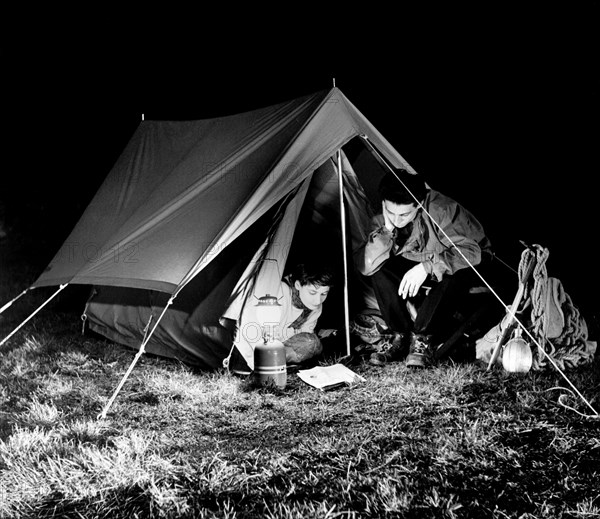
39, 308
140, 352
343, 219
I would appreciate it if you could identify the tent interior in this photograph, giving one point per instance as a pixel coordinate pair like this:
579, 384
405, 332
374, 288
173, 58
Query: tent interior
191, 331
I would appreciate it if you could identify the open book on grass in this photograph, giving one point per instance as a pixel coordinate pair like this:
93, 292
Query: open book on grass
329, 377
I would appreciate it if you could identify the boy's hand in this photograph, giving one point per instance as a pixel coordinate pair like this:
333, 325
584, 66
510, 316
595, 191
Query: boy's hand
326, 333
412, 281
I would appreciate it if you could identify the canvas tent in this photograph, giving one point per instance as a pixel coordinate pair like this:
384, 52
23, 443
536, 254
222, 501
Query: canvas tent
173, 239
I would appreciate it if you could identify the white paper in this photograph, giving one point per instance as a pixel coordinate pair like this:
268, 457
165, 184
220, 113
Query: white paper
329, 377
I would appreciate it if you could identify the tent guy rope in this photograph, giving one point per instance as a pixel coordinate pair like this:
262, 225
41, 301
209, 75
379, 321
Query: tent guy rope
32, 314
7, 305
137, 357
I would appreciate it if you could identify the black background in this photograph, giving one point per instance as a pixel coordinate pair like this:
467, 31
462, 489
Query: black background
497, 106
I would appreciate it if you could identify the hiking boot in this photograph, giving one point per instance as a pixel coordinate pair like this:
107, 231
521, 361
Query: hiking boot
394, 352
419, 353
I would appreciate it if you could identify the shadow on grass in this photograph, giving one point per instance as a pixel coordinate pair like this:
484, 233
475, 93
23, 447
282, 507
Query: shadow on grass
126, 502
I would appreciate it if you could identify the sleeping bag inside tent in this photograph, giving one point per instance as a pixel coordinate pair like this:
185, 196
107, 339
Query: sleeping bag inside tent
175, 235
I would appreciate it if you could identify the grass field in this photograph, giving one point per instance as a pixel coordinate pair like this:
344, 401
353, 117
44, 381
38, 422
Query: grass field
453, 441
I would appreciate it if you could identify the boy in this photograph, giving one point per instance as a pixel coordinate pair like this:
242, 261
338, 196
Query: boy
301, 296
405, 248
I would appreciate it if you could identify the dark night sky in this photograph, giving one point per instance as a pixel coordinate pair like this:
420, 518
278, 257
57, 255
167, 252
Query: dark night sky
498, 109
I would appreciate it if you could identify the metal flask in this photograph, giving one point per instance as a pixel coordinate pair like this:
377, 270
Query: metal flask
270, 367
517, 356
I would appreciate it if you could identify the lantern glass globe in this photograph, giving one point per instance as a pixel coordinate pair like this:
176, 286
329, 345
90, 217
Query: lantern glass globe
268, 313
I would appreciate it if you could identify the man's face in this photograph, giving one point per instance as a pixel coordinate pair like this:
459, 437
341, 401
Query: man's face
312, 296
400, 215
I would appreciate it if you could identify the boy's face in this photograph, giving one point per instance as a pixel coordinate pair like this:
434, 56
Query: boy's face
400, 215
312, 296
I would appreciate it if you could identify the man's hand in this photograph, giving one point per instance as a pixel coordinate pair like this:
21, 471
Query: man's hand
412, 281
388, 223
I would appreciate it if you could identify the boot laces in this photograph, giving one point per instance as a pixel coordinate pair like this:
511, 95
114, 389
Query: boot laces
420, 345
